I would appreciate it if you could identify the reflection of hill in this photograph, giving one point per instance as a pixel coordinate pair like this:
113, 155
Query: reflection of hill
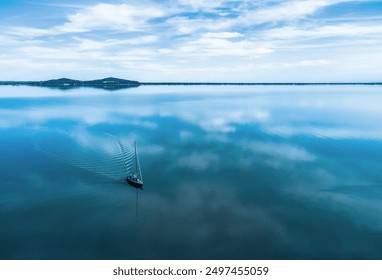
64, 83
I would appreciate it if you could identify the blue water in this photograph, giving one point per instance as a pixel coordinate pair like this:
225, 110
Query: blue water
245, 172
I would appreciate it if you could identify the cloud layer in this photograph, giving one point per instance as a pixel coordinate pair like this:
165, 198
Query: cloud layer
192, 40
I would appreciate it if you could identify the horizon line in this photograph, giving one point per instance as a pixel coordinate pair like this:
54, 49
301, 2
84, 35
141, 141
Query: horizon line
10, 82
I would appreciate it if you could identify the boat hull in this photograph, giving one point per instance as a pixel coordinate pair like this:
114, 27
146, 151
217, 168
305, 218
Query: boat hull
134, 182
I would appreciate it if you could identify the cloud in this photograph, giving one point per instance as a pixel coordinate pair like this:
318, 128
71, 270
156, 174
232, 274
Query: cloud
211, 46
185, 25
214, 40
88, 44
246, 13
307, 63
286, 11
121, 17
29, 32
290, 10
222, 35
202, 4
342, 30
108, 16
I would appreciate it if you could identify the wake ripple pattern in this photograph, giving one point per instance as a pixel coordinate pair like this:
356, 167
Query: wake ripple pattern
102, 154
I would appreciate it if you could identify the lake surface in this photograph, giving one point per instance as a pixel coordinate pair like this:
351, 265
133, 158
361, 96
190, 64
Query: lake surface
230, 172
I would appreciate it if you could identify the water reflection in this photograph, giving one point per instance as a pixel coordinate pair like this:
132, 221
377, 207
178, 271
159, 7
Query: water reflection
230, 173
95, 151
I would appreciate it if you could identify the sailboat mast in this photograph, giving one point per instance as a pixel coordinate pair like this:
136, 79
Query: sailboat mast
135, 179
137, 161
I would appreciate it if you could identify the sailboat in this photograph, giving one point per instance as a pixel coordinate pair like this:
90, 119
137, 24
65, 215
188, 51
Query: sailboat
135, 177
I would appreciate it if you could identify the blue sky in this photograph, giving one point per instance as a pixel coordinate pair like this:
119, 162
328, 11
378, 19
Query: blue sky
192, 40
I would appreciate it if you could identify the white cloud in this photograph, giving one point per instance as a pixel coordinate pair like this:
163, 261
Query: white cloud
202, 4
6, 41
88, 44
121, 17
212, 40
307, 63
247, 13
341, 30
29, 32
222, 35
185, 25
286, 11
108, 16
210, 46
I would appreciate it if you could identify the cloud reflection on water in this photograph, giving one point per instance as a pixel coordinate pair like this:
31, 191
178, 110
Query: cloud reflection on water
254, 174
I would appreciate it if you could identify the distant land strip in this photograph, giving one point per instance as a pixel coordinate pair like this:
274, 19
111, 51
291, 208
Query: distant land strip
251, 84
115, 83
64, 83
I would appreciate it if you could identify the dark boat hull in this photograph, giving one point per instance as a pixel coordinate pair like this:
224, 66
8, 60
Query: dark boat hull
135, 183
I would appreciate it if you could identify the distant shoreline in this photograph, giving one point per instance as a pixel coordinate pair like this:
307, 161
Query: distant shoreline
115, 83
252, 84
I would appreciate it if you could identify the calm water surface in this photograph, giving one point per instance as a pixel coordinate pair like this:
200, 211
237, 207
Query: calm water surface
229, 173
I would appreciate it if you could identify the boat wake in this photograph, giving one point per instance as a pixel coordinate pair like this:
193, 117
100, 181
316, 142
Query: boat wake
98, 152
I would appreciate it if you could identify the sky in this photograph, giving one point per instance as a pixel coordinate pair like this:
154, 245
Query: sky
192, 40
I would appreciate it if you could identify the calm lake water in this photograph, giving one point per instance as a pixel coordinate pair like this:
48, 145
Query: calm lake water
245, 172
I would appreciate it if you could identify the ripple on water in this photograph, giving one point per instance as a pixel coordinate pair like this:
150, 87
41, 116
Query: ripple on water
100, 153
